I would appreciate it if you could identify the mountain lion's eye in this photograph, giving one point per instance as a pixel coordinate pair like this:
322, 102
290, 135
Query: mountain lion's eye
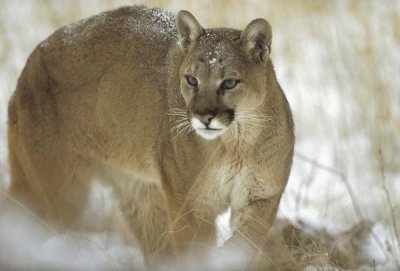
191, 81
229, 84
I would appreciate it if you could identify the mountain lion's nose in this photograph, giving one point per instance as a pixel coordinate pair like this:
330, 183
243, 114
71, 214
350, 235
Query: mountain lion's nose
205, 117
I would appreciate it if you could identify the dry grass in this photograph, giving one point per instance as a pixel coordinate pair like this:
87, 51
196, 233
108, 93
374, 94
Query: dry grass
338, 62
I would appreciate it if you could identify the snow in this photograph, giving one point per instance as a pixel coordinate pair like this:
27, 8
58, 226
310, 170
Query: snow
338, 65
212, 61
43, 249
161, 23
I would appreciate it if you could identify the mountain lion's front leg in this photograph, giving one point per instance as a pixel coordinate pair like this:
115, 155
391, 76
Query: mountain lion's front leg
145, 210
263, 250
251, 223
194, 231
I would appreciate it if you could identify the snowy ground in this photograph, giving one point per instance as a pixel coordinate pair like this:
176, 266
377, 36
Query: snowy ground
338, 63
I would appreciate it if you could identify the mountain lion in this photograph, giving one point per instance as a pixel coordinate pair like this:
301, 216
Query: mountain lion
181, 121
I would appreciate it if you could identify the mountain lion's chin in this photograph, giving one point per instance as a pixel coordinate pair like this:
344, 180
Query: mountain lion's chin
209, 134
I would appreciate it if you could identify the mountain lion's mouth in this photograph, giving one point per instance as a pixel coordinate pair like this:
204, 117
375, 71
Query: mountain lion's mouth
211, 129
209, 133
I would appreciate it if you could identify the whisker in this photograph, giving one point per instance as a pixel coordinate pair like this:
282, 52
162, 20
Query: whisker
253, 115
182, 120
179, 125
253, 118
187, 129
177, 114
180, 132
255, 124
256, 120
178, 111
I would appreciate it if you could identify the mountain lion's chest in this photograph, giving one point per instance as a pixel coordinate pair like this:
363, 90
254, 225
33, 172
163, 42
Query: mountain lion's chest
224, 185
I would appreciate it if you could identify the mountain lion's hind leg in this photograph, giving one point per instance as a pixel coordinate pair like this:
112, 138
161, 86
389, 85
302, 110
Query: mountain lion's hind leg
54, 187
58, 198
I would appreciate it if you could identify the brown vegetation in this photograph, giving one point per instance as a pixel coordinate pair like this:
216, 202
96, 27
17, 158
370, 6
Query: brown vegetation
338, 63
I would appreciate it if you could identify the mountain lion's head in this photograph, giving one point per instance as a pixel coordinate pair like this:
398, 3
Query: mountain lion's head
223, 75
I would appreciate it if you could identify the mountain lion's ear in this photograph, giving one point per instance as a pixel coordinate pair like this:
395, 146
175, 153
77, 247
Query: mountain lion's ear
188, 28
256, 39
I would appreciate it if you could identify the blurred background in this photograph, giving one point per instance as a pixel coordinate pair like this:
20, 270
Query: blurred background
339, 65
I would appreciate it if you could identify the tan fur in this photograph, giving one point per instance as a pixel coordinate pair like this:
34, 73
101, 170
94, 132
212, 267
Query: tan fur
105, 97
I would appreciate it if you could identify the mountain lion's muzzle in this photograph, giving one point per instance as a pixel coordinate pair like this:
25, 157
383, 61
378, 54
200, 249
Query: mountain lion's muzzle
210, 123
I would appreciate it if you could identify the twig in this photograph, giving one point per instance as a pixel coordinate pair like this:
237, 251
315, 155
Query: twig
106, 254
342, 176
54, 232
29, 212
304, 187
344, 179
2, 179
389, 202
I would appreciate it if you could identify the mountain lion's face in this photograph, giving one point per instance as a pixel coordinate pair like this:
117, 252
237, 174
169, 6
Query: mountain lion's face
218, 81
222, 76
